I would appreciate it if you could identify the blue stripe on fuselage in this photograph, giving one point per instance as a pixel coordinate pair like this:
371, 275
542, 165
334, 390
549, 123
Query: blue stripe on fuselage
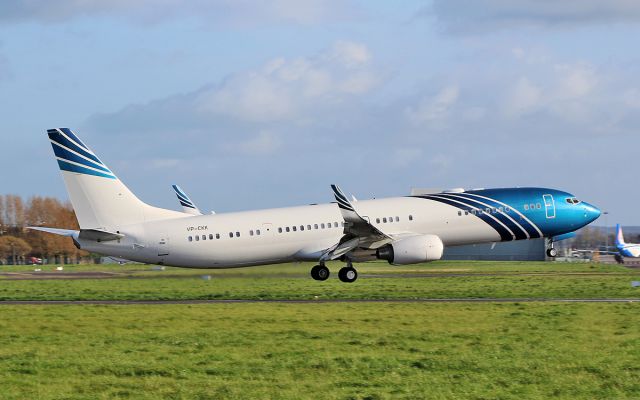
505, 235
517, 230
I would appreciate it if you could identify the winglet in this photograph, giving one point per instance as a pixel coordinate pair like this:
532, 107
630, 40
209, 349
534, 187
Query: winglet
342, 200
187, 205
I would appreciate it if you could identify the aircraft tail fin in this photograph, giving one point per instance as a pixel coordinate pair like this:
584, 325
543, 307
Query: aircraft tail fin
100, 200
619, 236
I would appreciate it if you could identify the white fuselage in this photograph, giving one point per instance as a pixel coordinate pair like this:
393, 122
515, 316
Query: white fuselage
173, 241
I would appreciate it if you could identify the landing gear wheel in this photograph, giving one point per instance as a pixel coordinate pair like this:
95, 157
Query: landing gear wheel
348, 274
552, 252
320, 273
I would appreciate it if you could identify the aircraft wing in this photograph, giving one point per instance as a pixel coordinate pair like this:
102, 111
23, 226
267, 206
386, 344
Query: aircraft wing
358, 231
187, 205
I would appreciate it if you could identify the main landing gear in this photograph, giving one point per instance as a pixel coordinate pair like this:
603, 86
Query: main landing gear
346, 274
320, 272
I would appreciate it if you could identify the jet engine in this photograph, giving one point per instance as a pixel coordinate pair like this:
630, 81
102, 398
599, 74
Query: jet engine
415, 249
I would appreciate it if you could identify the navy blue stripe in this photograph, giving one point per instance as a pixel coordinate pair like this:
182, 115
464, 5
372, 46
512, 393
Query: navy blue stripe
65, 166
60, 139
345, 208
69, 156
520, 233
73, 137
182, 198
344, 205
505, 235
186, 204
533, 232
180, 192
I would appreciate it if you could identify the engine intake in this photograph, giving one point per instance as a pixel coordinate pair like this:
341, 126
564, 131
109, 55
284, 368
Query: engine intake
412, 250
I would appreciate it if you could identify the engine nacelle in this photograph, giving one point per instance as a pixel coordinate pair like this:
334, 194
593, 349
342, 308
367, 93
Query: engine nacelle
415, 249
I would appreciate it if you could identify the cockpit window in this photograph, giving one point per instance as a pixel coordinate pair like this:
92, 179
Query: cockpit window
573, 200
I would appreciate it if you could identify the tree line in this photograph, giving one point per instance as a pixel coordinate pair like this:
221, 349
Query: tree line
19, 245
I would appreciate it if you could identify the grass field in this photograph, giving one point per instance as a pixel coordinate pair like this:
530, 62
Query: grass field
292, 281
325, 350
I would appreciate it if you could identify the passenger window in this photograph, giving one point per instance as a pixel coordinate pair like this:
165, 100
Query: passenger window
237, 234
308, 227
507, 209
217, 236
301, 227
377, 220
397, 219
190, 238
538, 206
258, 232
526, 207
322, 226
410, 217
315, 226
466, 212
197, 238
230, 234
251, 233
279, 230
211, 236
204, 237
287, 228
384, 220
459, 213
335, 224
295, 228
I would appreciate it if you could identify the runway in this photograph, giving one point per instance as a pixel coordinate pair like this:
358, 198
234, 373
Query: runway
311, 301
28, 276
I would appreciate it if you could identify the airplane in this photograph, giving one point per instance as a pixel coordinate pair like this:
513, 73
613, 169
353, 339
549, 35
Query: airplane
400, 230
188, 207
626, 249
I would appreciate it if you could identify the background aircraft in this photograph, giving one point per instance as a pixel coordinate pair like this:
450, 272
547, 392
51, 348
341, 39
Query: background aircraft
626, 249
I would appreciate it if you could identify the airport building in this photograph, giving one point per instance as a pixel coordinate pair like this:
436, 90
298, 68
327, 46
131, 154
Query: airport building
520, 250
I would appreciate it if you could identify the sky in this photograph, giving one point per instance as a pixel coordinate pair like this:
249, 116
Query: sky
259, 104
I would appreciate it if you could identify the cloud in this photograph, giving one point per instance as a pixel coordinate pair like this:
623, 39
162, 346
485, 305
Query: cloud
290, 89
262, 144
472, 16
232, 12
297, 90
433, 110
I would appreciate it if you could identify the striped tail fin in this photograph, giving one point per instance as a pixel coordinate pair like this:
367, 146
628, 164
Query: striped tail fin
100, 200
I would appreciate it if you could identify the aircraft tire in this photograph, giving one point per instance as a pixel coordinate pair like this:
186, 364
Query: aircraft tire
348, 274
320, 273
552, 252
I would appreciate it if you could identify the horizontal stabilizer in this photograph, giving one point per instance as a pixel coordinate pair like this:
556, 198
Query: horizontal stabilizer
55, 231
85, 234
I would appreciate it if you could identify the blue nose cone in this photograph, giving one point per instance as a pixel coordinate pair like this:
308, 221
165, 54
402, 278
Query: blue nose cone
591, 213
